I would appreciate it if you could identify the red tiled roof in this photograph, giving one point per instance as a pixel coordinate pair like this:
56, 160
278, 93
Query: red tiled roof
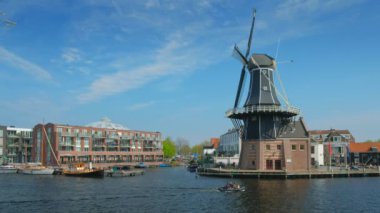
363, 147
215, 142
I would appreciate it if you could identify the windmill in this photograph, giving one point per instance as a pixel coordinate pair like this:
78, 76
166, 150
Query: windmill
265, 120
262, 116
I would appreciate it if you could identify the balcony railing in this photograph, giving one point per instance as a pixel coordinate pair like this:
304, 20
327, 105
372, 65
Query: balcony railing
262, 108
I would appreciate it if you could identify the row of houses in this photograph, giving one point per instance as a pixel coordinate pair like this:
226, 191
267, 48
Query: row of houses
327, 147
102, 143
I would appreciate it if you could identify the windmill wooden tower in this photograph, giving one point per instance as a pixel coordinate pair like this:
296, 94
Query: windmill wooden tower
271, 137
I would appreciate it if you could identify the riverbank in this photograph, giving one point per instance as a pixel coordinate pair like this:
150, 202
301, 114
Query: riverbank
313, 173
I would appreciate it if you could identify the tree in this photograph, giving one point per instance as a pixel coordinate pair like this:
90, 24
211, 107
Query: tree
180, 143
197, 149
206, 143
185, 150
168, 147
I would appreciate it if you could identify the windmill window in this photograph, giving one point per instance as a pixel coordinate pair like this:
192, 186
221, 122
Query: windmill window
302, 147
294, 147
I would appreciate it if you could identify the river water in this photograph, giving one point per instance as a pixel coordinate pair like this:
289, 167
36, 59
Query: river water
177, 190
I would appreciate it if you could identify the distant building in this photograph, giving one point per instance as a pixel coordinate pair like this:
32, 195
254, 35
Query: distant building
208, 150
15, 144
96, 143
230, 143
367, 153
3, 139
331, 144
229, 148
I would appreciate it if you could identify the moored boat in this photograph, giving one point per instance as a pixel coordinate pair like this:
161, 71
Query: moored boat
36, 170
123, 171
140, 166
80, 170
7, 169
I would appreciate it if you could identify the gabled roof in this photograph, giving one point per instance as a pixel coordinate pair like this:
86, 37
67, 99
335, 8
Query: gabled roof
364, 147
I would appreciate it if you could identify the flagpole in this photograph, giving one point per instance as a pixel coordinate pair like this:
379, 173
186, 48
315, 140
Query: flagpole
330, 156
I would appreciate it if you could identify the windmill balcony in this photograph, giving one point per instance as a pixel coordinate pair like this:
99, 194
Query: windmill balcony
239, 112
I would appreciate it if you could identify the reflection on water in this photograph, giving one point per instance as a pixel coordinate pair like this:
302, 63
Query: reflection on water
176, 190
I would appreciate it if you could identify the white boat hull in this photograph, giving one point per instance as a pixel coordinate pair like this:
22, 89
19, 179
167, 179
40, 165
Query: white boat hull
8, 171
46, 171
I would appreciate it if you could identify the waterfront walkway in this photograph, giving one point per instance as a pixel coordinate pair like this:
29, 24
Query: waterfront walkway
281, 174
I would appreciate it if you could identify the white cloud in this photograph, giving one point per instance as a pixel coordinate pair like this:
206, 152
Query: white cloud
292, 9
139, 106
152, 3
178, 55
71, 55
24, 65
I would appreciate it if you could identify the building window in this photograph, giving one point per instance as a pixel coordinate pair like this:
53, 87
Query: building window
312, 150
253, 163
302, 147
269, 164
268, 147
336, 139
253, 147
294, 147
279, 147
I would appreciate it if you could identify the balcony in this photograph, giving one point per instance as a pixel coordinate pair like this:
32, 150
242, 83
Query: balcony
66, 144
98, 136
67, 134
83, 135
261, 109
13, 144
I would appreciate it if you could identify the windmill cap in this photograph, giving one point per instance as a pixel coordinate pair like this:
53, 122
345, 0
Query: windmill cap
261, 61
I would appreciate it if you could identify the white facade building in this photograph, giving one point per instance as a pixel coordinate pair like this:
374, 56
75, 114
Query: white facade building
229, 148
317, 156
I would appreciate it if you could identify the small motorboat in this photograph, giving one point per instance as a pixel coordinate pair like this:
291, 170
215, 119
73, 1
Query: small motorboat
232, 187
192, 167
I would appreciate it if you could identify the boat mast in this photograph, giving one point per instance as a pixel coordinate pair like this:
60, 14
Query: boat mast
51, 148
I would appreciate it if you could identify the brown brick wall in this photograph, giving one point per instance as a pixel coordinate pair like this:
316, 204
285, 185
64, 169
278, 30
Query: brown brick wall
289, 160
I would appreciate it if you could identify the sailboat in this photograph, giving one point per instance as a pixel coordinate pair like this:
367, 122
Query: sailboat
38, 168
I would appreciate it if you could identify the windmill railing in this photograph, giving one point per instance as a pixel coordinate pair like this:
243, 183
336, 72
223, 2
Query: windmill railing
269, 109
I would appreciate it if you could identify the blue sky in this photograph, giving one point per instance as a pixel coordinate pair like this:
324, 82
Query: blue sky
167, 65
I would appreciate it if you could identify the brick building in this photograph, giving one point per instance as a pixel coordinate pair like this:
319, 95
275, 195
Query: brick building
55, 144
